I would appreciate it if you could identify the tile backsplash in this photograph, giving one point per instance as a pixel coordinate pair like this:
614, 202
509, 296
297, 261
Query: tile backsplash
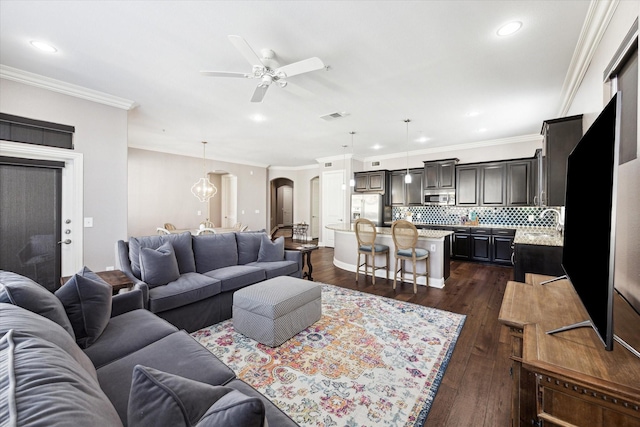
447, 215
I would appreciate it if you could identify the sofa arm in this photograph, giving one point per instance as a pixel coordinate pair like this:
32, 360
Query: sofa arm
125, 302
294, 256
144, 288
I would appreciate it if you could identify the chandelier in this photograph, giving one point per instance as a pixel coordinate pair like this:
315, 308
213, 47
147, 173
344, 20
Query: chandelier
203, 189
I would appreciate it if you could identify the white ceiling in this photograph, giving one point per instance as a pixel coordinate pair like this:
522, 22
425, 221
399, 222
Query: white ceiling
433, 62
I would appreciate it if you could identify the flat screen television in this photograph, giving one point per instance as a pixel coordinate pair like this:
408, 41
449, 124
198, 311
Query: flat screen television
590, 220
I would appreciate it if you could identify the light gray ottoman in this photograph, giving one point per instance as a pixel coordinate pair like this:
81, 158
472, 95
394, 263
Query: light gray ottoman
275, 310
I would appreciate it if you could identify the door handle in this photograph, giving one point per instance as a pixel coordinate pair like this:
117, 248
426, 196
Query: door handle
66, 242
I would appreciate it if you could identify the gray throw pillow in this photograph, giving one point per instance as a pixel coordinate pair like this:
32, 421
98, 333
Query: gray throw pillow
179, 401
182, 247
271, 251
87, 300
43, 385
159, 266
24, 292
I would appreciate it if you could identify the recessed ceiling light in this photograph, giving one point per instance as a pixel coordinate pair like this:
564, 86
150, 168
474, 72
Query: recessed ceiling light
509, 28
472, 114
423, 139
258, 118
377, 147
43, 46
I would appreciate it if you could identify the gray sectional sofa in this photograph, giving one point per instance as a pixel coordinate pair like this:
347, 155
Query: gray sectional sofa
82, 357
190, 280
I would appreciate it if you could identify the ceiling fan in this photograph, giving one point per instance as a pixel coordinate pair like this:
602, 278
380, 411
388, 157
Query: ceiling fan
266, 68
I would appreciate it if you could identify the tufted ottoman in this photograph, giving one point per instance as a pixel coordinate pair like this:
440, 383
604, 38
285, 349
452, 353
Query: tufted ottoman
275, 310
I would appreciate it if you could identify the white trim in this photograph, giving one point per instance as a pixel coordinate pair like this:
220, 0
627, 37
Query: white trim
72, 195
595, 25
59, 86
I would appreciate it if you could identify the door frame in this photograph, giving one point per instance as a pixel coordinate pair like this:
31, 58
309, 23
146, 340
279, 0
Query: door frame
72, 258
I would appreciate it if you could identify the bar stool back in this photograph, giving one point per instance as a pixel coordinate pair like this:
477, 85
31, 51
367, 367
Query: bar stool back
405, 239
367, 246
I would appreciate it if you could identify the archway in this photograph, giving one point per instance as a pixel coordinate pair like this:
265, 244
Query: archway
281, 215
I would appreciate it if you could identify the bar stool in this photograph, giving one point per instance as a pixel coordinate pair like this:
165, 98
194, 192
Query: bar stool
405, 238
367, 246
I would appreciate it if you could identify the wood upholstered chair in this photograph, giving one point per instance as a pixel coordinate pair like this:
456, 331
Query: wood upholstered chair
169, 226
205, 230
405, 239
161, 230
367, 246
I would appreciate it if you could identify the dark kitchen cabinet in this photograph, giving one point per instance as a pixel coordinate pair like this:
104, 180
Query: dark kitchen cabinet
374, 181
403, 194
493, 177
481, 244
461, 243
560, 136
538, 259
440, 174
467, 179
502, 245
520, 182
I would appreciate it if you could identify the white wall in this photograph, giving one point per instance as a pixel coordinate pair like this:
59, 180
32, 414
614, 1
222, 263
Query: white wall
160, 191
101, 136
590, 99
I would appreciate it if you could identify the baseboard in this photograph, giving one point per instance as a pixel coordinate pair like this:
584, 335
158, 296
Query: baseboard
434, 282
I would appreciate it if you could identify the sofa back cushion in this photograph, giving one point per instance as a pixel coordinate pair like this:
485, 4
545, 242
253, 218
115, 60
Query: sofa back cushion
24, 292
18, 318
248, 246
181, 245
45, 386
87, 301
213, 251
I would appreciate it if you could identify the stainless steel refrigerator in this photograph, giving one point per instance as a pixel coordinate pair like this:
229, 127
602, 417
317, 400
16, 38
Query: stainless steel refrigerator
369, 206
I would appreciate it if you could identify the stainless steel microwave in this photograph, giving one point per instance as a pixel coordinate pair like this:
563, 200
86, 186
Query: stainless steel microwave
440, 197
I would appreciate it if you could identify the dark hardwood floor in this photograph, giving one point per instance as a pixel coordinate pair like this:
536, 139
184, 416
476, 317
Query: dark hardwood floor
476, 388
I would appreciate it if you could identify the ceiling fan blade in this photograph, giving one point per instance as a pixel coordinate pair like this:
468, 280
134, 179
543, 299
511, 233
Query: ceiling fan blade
259, 93
246, 51
225, 74
304, 66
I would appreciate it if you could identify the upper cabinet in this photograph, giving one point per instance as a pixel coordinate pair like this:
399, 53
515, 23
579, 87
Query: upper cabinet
374, 181
440, 174
560, 136
505, 183
403, 194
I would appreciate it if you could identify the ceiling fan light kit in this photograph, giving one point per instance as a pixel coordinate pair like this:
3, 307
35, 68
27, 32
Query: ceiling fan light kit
263, 68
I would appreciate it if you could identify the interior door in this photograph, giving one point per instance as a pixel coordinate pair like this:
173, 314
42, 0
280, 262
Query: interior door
315, 208
333, 204
30, 218
229, 200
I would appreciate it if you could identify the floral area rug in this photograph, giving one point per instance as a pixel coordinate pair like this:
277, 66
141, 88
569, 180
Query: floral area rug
369, 361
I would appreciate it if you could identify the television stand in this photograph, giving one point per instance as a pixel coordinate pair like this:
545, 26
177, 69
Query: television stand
567, 379
589, 324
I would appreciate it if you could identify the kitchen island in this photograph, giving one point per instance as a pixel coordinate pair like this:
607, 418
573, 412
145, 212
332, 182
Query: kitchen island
437, 242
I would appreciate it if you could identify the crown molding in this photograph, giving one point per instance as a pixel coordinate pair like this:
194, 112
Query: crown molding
595, 25
178, 152
32, 79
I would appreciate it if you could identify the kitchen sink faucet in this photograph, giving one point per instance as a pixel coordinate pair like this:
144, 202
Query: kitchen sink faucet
560, 225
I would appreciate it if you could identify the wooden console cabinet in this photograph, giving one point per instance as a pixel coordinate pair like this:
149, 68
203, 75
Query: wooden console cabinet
568, 379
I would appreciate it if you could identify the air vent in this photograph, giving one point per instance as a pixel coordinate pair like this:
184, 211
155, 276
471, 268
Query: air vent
375, 163
328, 165
334, 116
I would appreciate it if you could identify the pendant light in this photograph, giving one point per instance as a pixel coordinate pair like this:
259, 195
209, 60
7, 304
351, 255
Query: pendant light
407, 177
203, 189
352, 181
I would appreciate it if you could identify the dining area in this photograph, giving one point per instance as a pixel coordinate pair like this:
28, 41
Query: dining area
205, 227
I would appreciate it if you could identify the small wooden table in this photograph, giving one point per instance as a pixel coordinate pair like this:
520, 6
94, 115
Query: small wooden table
306, 256
116, 278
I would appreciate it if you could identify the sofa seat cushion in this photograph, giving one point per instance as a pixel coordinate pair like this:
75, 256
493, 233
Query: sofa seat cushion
181, 245
213, 251
177, 354
274, 415
126, 334
190, 287
277, 268
24, 292
237, 276
14, 317
44, 386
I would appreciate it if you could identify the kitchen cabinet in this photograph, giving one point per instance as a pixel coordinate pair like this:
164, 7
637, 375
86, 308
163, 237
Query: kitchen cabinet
483, 244
560, 136
467, 179
493, 178
461, 243
440, 174
502, 245
374, 181
520, 182
537, 259
403, 194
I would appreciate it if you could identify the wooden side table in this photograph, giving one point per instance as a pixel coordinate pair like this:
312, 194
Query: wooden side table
116, 278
